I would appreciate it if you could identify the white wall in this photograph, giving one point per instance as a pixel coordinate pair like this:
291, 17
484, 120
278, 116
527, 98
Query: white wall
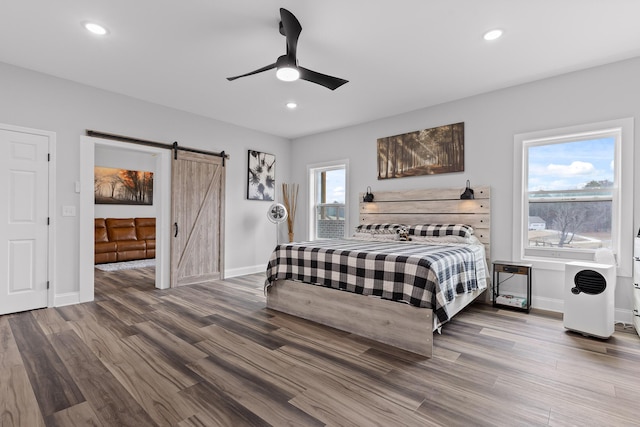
44, 102
39, 101
116, 158
491, 121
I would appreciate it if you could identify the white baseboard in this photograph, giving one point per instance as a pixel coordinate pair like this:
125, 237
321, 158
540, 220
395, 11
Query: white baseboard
68, 298
557, 305
624, 316
548, 304
235, 272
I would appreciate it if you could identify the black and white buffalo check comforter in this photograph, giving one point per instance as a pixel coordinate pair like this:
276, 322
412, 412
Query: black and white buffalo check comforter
416, 273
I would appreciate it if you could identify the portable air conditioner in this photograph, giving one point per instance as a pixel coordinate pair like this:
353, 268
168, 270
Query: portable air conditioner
589, 297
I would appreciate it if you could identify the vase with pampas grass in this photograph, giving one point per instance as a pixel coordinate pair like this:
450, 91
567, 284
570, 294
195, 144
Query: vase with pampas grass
290, 199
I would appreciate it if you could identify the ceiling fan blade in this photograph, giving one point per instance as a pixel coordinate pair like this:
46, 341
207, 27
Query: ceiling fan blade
292, 28
322, 79
268, 67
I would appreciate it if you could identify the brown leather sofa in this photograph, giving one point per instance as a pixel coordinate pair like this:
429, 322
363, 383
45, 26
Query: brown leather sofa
124, 239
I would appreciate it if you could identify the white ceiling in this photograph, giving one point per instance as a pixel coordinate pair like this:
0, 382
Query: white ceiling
398, 55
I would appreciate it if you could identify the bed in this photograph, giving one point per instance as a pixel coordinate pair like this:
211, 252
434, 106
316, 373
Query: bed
397, 292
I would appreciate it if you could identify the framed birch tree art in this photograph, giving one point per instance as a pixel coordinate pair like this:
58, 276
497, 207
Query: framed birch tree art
424, 152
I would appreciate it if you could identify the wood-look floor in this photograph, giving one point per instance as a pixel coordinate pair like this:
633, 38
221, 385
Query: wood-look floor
212, 355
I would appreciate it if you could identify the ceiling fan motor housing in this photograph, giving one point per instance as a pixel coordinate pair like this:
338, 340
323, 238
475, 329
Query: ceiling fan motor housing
286, 66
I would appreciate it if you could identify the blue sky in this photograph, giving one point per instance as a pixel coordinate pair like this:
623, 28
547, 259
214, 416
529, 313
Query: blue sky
335, 186
570, 165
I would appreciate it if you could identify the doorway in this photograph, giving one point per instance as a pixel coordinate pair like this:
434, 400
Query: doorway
162, 188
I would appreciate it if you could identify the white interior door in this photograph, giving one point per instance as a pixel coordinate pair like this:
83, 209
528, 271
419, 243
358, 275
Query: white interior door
24, 197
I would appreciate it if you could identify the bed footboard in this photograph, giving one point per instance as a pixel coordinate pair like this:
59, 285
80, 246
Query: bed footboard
399, 325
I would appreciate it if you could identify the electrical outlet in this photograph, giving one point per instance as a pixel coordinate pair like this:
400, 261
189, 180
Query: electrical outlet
68, 211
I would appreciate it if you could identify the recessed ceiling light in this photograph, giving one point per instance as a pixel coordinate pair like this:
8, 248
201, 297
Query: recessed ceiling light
493, 35
292, 105
95, 28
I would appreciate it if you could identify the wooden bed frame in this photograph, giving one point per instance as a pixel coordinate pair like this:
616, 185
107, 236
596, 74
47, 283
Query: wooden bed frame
389, 322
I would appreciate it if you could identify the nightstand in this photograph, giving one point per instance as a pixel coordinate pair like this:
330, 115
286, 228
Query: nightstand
510, 301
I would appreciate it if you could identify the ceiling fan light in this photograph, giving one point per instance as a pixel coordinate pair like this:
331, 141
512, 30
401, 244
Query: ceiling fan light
288, 74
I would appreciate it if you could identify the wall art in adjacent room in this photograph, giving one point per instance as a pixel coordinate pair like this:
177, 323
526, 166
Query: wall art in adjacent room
424, 152
262, 176
113, 186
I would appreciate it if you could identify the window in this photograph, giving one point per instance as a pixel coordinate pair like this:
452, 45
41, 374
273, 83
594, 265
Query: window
573, 192
328, 184
570, 191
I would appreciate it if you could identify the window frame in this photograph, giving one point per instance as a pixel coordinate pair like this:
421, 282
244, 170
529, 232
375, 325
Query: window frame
622, 200
312, 170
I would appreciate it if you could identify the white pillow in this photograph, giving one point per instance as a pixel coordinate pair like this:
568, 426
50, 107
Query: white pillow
375, 237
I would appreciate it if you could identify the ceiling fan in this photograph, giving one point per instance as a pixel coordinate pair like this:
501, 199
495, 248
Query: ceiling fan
287, 68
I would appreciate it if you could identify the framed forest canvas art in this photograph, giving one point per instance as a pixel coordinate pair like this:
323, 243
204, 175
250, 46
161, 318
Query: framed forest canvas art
113, 186
262, 176
424, 152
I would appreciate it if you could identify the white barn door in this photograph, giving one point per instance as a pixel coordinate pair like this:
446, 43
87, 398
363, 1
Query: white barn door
24, 197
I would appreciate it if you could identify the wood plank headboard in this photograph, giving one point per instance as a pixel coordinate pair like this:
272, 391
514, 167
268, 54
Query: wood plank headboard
432, 206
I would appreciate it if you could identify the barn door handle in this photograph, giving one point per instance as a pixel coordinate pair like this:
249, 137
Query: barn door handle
175, 224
